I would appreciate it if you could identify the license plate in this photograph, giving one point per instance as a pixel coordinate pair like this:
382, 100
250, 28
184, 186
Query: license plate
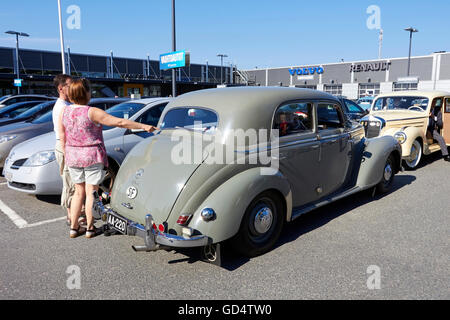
117, 223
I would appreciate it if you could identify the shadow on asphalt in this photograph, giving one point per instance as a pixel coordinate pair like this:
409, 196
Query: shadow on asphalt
49, 199
304, 224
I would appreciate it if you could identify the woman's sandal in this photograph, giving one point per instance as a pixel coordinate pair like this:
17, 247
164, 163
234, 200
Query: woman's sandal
91, 233
73, 233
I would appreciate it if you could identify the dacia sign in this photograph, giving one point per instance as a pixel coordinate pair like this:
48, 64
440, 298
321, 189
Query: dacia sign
306, 71
171, 60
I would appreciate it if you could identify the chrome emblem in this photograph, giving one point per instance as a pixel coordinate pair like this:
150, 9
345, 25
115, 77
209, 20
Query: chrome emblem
132, 192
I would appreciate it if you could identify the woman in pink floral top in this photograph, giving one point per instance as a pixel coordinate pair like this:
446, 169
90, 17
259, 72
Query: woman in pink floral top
81, 136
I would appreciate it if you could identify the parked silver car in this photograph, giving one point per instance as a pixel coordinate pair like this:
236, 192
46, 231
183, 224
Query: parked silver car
288, 151
15, 133
31, 166
11, 99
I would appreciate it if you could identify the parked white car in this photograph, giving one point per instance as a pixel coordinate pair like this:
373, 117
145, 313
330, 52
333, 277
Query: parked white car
31, 166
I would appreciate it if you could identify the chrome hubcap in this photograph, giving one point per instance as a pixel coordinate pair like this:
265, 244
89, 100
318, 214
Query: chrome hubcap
387, 172
414, 157
263, 220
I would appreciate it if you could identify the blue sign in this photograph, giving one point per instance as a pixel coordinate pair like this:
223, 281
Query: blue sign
306, 71
17, 82
172, 60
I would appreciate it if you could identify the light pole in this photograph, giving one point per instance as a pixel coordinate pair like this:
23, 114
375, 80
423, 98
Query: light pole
411, 30
17, 34
174, 48
61, 37
221, 55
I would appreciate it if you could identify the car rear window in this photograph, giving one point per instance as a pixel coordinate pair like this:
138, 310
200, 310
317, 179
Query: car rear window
192, 118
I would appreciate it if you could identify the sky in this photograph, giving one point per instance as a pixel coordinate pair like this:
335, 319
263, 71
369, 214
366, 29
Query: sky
253, 33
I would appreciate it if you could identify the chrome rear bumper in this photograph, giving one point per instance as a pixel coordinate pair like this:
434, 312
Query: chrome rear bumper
153, 239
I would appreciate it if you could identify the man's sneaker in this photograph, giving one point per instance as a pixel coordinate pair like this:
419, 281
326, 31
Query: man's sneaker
447, 158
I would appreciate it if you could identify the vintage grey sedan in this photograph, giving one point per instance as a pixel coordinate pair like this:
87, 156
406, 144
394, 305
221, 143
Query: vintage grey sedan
174, 191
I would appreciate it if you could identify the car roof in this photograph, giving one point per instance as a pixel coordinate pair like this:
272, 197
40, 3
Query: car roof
415, 93
100, 100
150, 100
30, 95
245, 107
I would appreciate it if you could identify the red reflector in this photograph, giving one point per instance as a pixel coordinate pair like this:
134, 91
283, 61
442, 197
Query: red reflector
183, 219
161, 228
154, 226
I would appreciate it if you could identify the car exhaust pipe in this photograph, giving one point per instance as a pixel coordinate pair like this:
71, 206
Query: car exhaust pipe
140, 248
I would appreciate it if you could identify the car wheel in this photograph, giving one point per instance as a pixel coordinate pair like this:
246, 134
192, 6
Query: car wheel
261, 225
388, 175
415, 155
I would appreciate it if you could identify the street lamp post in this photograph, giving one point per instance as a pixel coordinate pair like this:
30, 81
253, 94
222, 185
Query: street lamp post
221, 55
411, 30
174, 48
61, 37
17, 34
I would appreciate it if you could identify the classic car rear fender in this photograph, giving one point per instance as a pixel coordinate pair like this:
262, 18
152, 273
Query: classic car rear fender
231, 199
412, 134
375, 155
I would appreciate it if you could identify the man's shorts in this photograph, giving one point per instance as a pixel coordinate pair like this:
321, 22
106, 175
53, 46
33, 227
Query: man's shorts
92, 175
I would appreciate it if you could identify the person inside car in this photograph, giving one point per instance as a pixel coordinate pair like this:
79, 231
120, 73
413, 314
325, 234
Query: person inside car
435, 124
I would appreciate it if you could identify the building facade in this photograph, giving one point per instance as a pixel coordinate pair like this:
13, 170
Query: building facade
109, 75
360, 78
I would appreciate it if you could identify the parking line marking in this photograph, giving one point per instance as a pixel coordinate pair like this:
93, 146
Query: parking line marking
18, 221
3, 183
44, 222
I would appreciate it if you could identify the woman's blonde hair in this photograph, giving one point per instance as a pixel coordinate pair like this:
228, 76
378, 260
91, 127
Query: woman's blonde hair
80, 92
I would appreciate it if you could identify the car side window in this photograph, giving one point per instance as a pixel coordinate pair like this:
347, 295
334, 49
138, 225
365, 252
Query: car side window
329, 116
447, 105
294, 118
151, 117
11, 101
353, 107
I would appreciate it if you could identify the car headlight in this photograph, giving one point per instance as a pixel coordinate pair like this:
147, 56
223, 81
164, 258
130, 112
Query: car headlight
40, 159
401, 137
7, 138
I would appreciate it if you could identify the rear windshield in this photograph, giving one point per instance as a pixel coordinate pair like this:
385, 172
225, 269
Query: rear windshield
401, 103
190, 118
44, 118
125, 110
36, 109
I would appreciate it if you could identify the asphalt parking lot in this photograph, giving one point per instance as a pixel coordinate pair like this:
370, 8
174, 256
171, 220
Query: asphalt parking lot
330, 253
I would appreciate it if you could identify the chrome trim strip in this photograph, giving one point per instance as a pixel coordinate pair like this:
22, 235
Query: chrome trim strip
280, 145
406, 119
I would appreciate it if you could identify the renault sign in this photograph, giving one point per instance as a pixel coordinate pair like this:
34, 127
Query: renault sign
177, 59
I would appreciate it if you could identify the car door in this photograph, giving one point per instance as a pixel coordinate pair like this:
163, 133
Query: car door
446, 120
335, 147
150, 117
298, 150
